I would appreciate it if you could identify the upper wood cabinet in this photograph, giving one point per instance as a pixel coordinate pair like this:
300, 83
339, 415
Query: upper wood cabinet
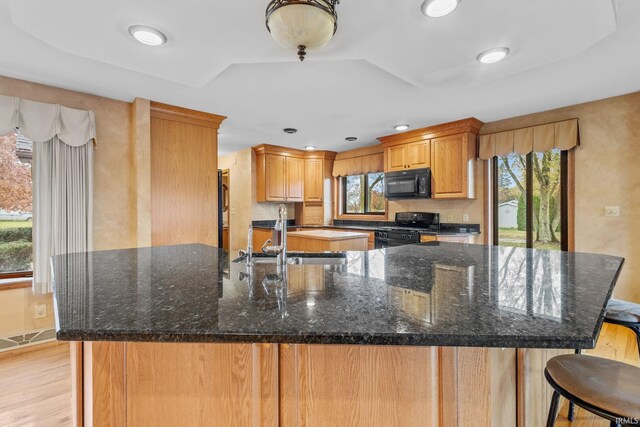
413, 155
313, 180
453, 166
448, 149
280, 178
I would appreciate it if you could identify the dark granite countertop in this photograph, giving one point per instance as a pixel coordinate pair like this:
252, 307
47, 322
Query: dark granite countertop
443, 294
291, 225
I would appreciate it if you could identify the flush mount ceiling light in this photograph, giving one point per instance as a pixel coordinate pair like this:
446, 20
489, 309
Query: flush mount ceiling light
401, 127
302, 24
147, 35
494, 55
310, 147
290, 131
351, 138
439, 8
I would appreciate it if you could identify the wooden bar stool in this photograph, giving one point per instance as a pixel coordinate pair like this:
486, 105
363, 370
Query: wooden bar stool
623, 313
604, 387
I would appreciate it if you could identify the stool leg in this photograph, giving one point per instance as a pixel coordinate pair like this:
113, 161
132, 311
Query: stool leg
553, 410
571, 412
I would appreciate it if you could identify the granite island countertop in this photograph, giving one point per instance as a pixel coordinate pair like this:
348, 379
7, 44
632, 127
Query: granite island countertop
442, 294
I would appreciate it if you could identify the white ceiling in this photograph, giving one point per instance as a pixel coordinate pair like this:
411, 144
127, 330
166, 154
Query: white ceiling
387, 64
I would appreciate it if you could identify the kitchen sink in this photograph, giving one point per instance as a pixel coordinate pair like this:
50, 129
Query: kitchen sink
301, 258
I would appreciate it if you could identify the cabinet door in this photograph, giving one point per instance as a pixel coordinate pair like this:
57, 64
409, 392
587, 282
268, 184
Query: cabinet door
313, 180
275, 178
451, 167
295, 180
396, 158
419, 154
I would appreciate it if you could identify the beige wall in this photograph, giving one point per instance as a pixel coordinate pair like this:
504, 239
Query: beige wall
243, 206
17, 312
607, 173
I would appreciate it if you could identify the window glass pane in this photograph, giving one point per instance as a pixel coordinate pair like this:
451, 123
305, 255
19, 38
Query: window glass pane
376, 192
512, 201
354, 190
546, 200
15, 204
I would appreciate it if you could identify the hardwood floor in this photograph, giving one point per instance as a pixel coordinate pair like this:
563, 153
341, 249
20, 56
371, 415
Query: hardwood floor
35, 386
35, 383
615, 342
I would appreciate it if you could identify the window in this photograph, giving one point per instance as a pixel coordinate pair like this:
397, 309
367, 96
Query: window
530, 207
363, 194
16, 257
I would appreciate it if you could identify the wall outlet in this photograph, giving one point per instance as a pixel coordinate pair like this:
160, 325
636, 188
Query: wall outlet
612, 211
465, 217
449, 217
41, 311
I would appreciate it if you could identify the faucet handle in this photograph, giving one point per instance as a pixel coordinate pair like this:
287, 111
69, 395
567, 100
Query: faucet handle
265, 246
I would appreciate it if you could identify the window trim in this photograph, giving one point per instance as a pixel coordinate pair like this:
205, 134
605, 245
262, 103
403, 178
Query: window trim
567, 200
343, 196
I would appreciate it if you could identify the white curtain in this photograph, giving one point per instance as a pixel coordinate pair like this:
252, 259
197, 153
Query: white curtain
62, 204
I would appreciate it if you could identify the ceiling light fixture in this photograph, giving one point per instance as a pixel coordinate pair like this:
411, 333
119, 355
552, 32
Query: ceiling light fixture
147, 35
439, 8
302, 24
310, 147
401, 127
494, 55
290, 131
351, 138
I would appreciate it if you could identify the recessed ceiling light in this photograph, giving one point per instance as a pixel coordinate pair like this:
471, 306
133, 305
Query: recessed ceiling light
147, 35
351, 138
401, 127
438, 8
494, 55
290, 131
310, 147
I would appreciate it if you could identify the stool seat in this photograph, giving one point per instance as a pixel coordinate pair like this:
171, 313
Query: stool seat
608, 386
622, 312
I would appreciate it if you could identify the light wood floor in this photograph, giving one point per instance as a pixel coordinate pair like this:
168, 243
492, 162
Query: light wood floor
35, 386
615, 342
35, 383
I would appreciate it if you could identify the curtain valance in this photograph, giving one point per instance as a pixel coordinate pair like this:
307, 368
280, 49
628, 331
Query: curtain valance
40, 121
358, 165
560, 135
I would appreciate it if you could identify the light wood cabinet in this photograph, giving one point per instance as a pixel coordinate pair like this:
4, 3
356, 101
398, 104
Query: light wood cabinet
183, 175
448, 149
313, 180
279, 174
453, 166
414, 155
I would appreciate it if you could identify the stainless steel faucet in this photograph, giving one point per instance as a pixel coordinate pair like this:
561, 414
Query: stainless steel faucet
281, 226
248, 254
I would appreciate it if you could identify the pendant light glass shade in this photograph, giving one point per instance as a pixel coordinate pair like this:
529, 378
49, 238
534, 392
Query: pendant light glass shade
301, 24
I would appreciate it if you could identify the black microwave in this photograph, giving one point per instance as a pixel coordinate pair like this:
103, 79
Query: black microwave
409, 184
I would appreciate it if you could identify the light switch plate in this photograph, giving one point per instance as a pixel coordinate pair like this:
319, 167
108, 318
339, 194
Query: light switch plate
465, 217
612, 211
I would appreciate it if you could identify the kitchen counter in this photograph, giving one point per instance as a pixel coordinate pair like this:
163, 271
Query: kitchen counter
327, 234
418, 295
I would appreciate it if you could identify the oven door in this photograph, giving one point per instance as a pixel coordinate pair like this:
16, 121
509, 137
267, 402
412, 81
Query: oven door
396, 187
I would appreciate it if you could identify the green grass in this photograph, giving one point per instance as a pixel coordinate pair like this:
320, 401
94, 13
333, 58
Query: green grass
14, 224
517, 238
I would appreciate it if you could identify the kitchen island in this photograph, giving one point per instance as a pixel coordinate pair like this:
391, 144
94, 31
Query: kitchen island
428, 334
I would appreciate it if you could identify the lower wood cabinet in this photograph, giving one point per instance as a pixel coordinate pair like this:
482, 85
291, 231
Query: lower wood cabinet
166, 384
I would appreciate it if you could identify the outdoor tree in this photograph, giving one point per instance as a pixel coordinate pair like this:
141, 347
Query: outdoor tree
546, 190
15, 177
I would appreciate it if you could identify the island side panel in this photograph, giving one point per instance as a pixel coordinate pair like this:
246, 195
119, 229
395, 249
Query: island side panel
202, 384
323, 385
104, 399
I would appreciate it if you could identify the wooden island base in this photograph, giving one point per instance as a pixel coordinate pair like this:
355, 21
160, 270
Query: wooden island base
162, 384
